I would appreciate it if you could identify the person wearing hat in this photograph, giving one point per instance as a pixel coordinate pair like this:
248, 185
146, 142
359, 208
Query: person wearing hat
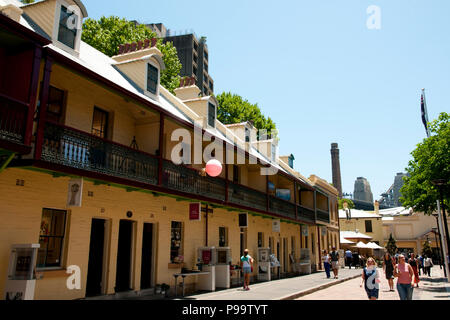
247, 268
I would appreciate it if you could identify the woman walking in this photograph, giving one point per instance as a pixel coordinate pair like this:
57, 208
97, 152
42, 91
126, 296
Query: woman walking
427, 264
326, 263
247, 268
371, 279
404, 273
388, 268
414, 263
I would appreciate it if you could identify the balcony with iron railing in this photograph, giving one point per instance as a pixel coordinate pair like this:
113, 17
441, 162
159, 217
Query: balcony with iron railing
13, 120
75, 149
323, 216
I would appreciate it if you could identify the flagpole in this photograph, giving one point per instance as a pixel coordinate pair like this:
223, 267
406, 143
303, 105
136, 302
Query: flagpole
440, 220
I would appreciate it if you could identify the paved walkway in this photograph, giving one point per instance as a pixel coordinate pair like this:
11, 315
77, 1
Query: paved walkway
284, 289
430, 288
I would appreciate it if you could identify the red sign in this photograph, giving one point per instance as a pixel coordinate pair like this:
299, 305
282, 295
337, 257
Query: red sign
206, 256
194, 211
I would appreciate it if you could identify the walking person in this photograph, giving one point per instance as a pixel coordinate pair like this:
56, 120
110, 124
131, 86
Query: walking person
414, 263
334, 255
326, 263
427, 264
404, 273
388, 268
247, 268
371, 279
420, 261
348, 258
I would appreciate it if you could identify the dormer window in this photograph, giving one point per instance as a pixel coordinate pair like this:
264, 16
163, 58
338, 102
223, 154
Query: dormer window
152, 78
211, 115
247, 134
67, 32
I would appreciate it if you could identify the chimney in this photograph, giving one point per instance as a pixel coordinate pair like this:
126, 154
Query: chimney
187, 89
136, 50
336, 168
376, 205
12, 12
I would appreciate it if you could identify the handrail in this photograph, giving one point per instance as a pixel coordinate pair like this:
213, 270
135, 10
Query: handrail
4, 96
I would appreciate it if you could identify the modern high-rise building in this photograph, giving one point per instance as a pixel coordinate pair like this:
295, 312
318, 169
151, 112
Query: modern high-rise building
193, 54
362, 190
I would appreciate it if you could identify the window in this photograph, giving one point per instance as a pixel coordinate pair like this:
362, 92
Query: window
260, 240
368, 225
211, 86
51, 238
100, 123
206, 55
55, 104
223, 238
152, 78
67, 27
247, 134
211, 115
274, 152
176, 241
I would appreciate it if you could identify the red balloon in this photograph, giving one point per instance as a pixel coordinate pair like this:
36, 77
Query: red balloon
214, 168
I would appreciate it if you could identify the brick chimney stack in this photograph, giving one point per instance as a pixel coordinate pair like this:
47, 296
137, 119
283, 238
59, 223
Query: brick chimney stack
336, 168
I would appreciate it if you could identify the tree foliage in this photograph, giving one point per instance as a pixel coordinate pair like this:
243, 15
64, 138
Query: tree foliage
350, 203
108, 33
431, 161
235, 109
391, 246
426, 249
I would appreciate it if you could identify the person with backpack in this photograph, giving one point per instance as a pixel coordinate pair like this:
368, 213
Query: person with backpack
334, 255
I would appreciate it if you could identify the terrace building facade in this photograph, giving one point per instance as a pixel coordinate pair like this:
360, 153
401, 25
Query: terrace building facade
71, 116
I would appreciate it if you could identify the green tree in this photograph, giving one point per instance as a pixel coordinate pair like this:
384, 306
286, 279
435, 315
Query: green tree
27, 1
108, 33
431, 161
426, 249
391, 246
350, 203
234, 109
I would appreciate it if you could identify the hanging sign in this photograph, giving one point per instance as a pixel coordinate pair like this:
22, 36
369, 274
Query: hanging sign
276, 226
75, 193
305, 231
194, 211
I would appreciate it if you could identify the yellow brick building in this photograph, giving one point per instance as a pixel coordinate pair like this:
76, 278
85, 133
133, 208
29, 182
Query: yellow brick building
106, 125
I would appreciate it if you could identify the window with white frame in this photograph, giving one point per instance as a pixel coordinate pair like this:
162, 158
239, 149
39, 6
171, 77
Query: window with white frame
152, 78
211, 115
274, 152
67, 28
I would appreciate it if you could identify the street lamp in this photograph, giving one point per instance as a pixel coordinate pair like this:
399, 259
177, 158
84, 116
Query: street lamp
441, 184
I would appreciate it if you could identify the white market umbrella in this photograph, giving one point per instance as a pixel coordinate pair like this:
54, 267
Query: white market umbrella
345, 241
373, 245
361, 245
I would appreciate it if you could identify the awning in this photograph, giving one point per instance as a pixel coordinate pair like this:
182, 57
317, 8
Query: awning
361, 245
373, 245
345, 241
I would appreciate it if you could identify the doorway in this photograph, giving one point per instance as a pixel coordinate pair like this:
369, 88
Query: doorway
94, 285
124, 255
147, 256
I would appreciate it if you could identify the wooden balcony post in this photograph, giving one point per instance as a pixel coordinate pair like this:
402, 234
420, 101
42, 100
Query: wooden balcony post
161, 148
226, 173
32, 97
45, 88
295, 200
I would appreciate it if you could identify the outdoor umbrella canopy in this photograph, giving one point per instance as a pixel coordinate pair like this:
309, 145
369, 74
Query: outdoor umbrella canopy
373, 245
361, 245
345, 241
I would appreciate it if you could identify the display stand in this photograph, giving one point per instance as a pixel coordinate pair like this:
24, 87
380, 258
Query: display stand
223, 255
21, 281
207, 282
264, 267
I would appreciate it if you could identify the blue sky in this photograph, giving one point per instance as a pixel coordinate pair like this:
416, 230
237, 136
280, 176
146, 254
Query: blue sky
317, 70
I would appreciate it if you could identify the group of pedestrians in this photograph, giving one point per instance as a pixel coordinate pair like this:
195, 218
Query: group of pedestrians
354, 259
331, 261
405, 270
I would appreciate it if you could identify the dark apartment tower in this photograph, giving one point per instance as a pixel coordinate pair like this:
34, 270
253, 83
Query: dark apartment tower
193, 54
336, 168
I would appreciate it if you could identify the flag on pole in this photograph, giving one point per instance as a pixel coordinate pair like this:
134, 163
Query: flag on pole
425, 113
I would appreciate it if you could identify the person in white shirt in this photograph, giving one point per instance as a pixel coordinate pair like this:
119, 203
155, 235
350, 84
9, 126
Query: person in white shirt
326, 263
